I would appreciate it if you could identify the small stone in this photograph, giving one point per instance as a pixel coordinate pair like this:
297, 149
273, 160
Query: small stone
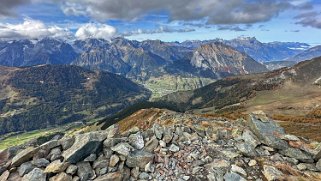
112, 131
85, 172
239, 170
122, 149
41, 163
49, 145
151, 144
144, 176
114, 159
174, 148
56, 167
159, 131
115, 176
252, 163
136, 140
36, 174
250, 138
233, 177
91, 158
139, 159
66, 143
72, 169
246, 149
288, 137
61, 177
272, 173
318, 165
135, 172
5, 175
149, 168
162, 143
25, 168
55, 154
168, 135
230, 154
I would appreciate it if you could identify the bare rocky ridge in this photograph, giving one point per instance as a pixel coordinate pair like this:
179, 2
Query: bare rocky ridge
175, 147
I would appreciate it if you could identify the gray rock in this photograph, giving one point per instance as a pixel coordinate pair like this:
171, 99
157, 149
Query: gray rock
246, 149
114, 159
112, 131
143, 176
91, 158
307, 166
61, 177
158, 131
56, 167
233, 177
239, 170
136, 140
67, 142
41, 163
55, 154
318, 165
297, 154
49, 145
250, 138
85, 172
85, 144
122, 149
168, 134
173, 148
115, 176
268, 131
35, 174
139, 159
25, 168
110, 142
101, 162
72, 169
151, 144
272, 173
5, 175
23, 156
150, 168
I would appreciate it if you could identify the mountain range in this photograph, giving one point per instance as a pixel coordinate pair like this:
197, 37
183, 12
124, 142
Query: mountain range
135, 59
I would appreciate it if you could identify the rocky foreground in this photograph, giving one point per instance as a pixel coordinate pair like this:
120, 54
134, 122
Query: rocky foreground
175, 147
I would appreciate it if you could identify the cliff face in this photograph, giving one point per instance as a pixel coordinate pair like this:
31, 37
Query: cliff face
160, 144
222, 59
43, 96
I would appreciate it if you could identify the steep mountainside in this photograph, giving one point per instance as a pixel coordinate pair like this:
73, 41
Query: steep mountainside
42, 96
235, 90
223, 60
307, 54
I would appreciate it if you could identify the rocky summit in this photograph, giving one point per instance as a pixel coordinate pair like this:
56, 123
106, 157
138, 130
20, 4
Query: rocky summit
176, 146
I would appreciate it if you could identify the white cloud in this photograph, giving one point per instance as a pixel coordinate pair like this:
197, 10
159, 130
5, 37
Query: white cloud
95, 30
31, 29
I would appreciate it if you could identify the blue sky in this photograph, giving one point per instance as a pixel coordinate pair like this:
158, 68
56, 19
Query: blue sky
167, 20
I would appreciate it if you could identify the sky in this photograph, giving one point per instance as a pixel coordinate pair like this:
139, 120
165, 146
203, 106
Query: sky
167, 20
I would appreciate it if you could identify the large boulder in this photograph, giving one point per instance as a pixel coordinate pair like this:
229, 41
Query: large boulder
23, 156
85, 144
139, 159
267, 130
297, 154
56, 167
